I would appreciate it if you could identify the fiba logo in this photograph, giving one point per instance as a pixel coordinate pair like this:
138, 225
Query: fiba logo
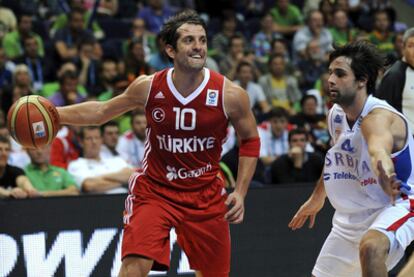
39, 129
158, 115
212, 97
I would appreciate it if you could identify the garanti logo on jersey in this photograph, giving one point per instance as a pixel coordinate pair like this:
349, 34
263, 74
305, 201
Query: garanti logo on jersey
212, 97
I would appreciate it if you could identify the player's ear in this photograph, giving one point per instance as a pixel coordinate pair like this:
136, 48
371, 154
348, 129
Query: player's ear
169, 49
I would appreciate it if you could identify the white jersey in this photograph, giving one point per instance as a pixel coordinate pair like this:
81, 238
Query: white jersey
350, 182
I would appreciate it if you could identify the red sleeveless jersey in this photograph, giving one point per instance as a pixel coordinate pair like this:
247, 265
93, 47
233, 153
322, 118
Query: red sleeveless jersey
184, 134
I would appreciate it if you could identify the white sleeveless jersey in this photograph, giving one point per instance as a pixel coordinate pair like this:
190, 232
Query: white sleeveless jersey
350, 182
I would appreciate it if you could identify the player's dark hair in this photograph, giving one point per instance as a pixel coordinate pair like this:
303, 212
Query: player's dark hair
169, 30
366, 61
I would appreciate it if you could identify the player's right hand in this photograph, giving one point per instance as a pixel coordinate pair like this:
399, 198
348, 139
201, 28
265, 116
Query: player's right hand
308, 210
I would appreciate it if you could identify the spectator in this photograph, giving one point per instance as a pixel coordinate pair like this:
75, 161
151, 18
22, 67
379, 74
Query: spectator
312, 66
68, 93
13, 182
287, 18
110, 137
298, 165
39, 67
21, 86
397, 85
155, 14
314, 29
5, 70
280, 88
245, 78
65, 147
131, 145
18, 156
67, 40
279, 47
341, 31
48, 179
88, 67
95, 174
327, 7
7, 21
221, 40
159, 60
314, 123
261, 41
234, 56
274, 136
135, 61
139, 32
13, 41
397, 53
61, 22
382, 35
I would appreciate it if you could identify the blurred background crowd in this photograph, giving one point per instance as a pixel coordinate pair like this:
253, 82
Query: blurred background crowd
70, 51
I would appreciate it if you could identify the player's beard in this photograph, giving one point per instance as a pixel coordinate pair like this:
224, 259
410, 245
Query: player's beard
343, 98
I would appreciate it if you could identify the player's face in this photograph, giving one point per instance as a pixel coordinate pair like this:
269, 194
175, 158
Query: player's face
342, 84
191, 52
408, 51
4, 153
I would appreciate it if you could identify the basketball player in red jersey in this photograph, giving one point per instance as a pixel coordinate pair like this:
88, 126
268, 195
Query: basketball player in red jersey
188, 108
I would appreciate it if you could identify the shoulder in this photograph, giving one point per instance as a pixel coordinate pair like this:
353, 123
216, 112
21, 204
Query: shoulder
234, 96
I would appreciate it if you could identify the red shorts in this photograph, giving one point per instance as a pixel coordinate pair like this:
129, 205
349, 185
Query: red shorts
197, 216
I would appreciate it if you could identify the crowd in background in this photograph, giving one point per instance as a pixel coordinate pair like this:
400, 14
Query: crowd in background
277, 50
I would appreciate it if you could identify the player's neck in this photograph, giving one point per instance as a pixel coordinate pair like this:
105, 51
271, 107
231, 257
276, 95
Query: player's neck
185, 82
354, 110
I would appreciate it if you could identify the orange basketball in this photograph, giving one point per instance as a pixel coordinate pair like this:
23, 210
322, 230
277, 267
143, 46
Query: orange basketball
33, 121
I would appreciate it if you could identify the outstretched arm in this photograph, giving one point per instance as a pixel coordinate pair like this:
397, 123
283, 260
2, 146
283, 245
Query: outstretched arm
238, 109
384, 132
97, 113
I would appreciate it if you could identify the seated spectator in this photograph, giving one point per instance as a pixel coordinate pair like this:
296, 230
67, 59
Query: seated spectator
5, 71
140, 32
108, 72
235, 55
135, 60
261, 41
279, 47
13, 182
281, 88
159, 60
298, 165
18, 156
314, 123
67, 39
39, 67
245, 78
88, 67
274, 136
110, 137
63, 19
312, 66
21, 86
287, 18
13, 41
220, 45
65, 147
314, 29
382, 35
131, 145
342, 32
155, 13
95, 174
47, 179
68, 93
7, 21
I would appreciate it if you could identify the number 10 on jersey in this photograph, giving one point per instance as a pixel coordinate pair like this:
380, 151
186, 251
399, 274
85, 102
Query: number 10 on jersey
180, 122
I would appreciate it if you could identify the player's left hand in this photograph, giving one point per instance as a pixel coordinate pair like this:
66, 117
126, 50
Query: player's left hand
235, 201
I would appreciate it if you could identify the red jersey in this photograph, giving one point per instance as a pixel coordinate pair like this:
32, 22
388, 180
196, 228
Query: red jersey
184, 134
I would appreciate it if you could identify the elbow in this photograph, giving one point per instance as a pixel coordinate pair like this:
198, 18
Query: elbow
89, 186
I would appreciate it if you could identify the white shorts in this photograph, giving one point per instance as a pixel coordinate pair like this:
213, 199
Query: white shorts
339, 256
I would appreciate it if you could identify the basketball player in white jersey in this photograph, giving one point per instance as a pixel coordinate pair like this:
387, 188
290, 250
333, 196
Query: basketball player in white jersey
368, 175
